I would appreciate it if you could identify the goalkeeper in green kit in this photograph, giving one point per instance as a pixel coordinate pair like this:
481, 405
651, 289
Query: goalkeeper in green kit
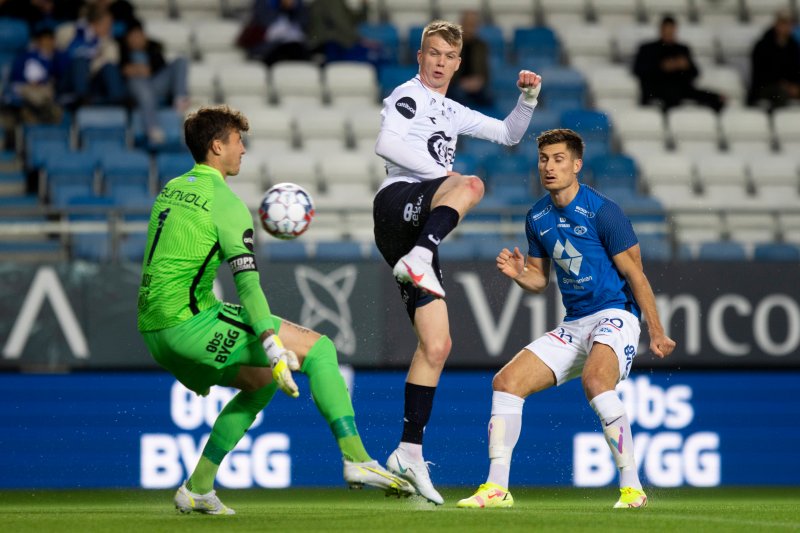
196, 223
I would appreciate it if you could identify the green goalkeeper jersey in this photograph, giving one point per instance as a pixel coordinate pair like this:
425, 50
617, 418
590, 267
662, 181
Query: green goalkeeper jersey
196, 223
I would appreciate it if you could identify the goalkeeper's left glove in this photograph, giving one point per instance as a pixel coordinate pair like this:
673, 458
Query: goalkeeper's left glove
283, 362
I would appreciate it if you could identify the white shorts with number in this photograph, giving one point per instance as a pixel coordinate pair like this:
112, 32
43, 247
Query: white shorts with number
566, 348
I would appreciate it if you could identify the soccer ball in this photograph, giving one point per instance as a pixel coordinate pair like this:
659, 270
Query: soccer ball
286, 211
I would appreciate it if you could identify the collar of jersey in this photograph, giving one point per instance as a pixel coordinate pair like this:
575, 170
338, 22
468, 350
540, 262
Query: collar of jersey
202, 169
439, 97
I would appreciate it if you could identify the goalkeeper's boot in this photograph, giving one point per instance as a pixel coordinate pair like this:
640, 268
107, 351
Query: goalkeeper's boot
416, 473
413, 269
374, 475
631, 498
488, 495
187, 501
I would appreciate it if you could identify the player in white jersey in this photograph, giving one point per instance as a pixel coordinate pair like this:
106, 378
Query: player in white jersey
604, 289
419, 203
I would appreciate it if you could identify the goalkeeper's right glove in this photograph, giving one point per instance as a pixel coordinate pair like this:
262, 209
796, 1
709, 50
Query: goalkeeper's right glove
283, 362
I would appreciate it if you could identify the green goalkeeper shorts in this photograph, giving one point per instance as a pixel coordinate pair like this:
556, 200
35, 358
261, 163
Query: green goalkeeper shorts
209, 348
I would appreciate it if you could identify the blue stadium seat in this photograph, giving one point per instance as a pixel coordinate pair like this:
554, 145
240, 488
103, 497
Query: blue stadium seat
386, 34
90, 246
14, 35
169, 121
503, 86
467, 164
777, 251
41, 140
655, 248
338, 251
721, 251
616, 170
593, 126
490, 247
130, 169
537, 46
563, 89
493, 37
107, 123
413, 40
171, 165
69, 172
480, 149
544, 119
509, 175
390, 76
131, 247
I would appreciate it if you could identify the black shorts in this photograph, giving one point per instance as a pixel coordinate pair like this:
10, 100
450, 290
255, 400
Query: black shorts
400, 212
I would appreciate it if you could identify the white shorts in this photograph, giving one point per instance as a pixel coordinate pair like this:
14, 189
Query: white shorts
566, 348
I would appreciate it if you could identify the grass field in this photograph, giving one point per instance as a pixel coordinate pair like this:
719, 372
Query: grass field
550, 509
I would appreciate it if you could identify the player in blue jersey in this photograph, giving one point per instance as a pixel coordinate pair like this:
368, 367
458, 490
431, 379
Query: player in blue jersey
605, 292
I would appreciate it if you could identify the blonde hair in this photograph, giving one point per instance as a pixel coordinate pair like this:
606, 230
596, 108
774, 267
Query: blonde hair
449, 31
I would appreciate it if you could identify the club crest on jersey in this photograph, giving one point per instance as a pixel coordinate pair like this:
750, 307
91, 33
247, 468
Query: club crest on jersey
573, 259
406, 106
439, 148
580, 230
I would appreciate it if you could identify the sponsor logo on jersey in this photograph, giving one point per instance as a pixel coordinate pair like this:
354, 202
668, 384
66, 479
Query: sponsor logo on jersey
584, 212
571, 262
177, 195
541, 233
242, 263
440, 149
542, 213
247, 239
580, 230
406, 106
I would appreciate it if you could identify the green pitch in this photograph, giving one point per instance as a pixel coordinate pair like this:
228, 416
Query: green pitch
294, 510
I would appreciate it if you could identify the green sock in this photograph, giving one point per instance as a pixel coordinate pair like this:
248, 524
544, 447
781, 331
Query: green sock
231, 425
332, 399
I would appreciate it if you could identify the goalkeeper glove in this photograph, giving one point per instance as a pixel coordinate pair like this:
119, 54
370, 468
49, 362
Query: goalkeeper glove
283, 362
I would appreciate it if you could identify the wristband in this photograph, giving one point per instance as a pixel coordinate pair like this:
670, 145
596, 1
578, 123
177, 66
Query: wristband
274, 348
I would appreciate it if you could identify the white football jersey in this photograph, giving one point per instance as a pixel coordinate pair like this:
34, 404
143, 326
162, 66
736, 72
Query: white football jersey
420, 129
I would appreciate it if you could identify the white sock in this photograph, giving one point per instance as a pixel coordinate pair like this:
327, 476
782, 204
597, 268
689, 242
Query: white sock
423, 253
504, 429
411, 451
617, 430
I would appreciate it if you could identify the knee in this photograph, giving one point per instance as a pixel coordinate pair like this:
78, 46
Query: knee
475, 188
502, 382
593, 385
323, 351
436, 352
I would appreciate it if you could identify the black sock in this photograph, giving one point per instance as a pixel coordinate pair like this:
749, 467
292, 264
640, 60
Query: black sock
419, 402
440, 222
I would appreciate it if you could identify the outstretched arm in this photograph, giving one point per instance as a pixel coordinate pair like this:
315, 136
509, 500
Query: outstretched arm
629, 263
510, 130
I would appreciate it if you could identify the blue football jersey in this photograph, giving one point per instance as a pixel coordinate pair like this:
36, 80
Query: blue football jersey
581, 240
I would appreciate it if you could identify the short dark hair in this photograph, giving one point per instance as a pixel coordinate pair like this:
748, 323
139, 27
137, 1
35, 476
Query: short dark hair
668, 19
209, 124
573, 141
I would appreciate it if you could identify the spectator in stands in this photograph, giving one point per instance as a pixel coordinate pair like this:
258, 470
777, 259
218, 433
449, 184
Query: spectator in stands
93, 75
470, 85
151, 80
776, 65
667, 72
333, 32
277, 31
32, 81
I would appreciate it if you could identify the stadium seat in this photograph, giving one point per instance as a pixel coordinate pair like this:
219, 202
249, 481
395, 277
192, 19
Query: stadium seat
296, 83
744, 130
92, 245
203, 83
726, 80
131, 247
459, 250
274, 124
293, 251
390, 76
244, 79
655, 248
171, 165
509, 172
777, 251
775, 180
752, 227
613, 87
642, 123
175, 35
214, 34
723, 180
321, 129
786, 121
467, 164
615, 13
537, 46
693, 228
722, 251
106, 123
587, 46
364, 124
629, 37
348, 180
718, 14
614, 171
76, 169
387, 36
14, 35
351, 84
452, 9
565, 88
762, 12
593, 126
298, 167
407, 13
511, 14
129, 170
170, 122
694, 130
495, 41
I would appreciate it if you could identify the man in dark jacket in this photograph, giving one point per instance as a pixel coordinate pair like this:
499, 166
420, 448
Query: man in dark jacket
776, 65
667, 72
